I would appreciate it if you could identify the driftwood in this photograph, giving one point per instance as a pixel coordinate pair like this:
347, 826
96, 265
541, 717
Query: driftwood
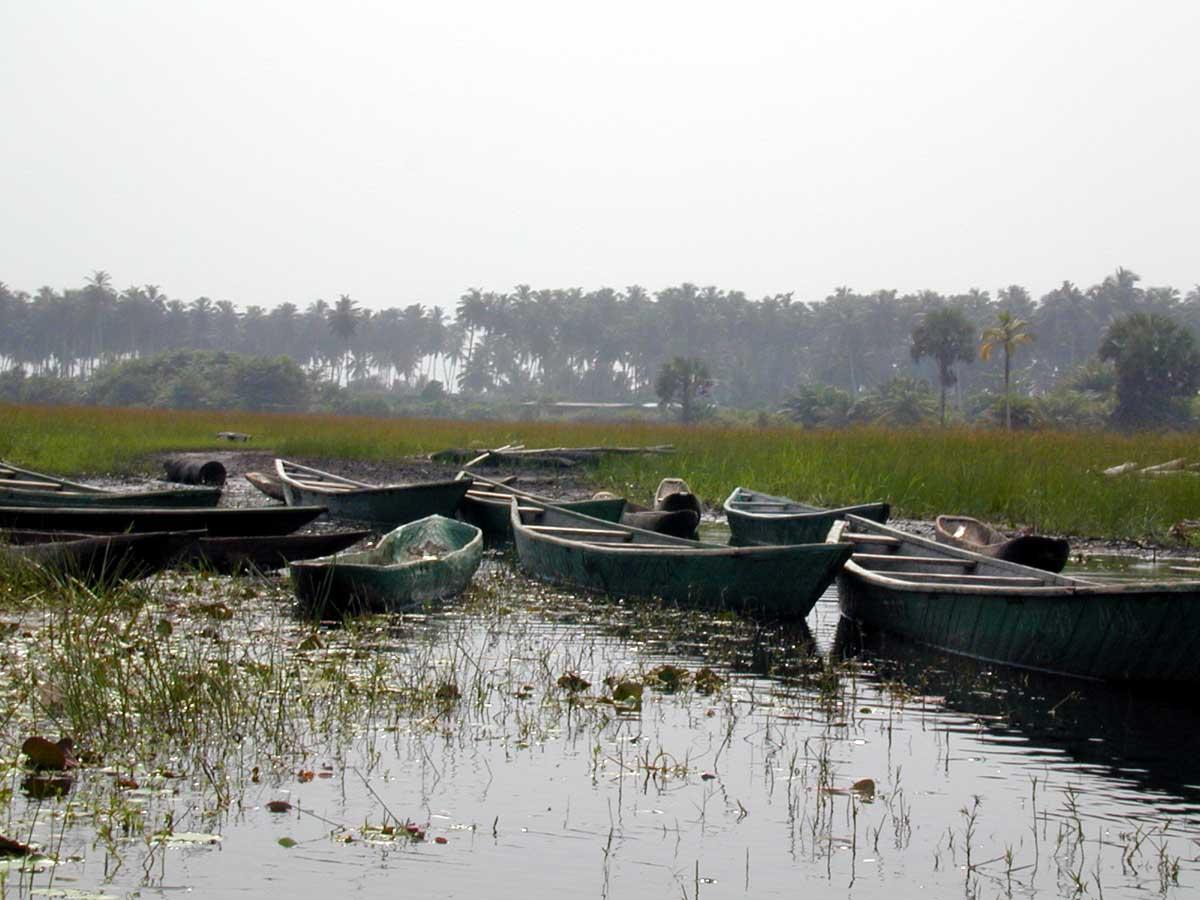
1173, 465
1123, 468
195, 471
1170, 467
560, 457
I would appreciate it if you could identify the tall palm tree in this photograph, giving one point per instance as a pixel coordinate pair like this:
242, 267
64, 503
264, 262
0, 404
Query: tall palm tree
946, 334
343, 322
1009, 332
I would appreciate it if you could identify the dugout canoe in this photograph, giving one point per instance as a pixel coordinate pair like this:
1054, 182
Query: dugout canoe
99, 559
486, 505
217, 522
267, 484
387, 505
673, 494
24, 487
564, 547
267, 552
430, 559
1034, 550
755, 518
1001, 612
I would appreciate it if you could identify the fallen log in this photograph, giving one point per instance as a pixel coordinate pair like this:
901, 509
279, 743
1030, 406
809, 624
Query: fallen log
1173, 465
1113, 471
195, 471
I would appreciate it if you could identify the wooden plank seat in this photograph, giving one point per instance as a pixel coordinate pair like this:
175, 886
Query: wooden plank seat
921, 560
30, 485
961, 580
864, 538
581, 533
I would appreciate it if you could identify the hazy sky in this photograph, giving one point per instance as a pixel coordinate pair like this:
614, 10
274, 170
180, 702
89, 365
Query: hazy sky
403, 152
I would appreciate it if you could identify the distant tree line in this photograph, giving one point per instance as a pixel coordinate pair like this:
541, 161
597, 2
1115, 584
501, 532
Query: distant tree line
850, 350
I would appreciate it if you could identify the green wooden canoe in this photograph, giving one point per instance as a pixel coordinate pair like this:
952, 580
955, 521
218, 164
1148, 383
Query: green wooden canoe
23, 487
387, 505
98, 560
564, 547
486, 506
429, 559
756, 518
1001, 612
223, 522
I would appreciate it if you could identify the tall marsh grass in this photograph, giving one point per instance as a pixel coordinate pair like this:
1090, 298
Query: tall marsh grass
1046, 480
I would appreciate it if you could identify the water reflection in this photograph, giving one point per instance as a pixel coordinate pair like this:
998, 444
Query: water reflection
1138, 737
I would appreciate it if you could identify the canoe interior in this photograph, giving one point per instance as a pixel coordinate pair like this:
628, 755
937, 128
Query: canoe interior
266, 484
1002, 612
486, 506
756, 518
1034, 550
420, 561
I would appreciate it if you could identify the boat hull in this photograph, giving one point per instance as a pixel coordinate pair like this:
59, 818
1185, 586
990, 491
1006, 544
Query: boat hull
266, 553
101, 560
382, 580
387, 507
493, 518
1141, 632
174, 498
780, 581
217, 522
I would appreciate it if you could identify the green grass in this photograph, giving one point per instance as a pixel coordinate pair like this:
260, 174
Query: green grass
1047, 480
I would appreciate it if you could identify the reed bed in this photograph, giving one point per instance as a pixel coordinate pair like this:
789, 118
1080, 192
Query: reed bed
1050, 481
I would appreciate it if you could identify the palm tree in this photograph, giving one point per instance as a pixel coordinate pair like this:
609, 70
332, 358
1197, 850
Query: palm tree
1010, 333
343, 322
947, 335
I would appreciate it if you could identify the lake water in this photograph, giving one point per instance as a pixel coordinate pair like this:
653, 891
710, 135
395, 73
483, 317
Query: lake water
984, 782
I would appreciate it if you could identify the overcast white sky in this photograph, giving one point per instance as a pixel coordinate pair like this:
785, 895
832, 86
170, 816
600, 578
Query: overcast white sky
403, 152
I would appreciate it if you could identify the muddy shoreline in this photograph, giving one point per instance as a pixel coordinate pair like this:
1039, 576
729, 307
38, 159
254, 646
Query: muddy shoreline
557, 483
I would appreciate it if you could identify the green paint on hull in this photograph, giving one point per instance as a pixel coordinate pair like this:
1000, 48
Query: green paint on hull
1139, 631
387, 506
782, 521
425, 560
493, 517
781, 581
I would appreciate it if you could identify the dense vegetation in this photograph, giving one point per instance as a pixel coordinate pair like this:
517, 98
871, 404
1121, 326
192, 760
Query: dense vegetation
1048, 480
607, 345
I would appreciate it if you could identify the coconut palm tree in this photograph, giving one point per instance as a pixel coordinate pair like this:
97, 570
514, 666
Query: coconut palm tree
343, 322
947, 335
1009, 332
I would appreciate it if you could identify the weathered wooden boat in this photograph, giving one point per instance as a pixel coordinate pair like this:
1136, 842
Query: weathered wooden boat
1034, 550
673, 494
1001, 612
487, 506
23, 487
564, 547
217, 522
682, 523
99, 559
267, 552
267, 484
432, 558
757, 518
388, 505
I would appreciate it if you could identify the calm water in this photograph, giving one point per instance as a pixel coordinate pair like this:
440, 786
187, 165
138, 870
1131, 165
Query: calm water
1046, 787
